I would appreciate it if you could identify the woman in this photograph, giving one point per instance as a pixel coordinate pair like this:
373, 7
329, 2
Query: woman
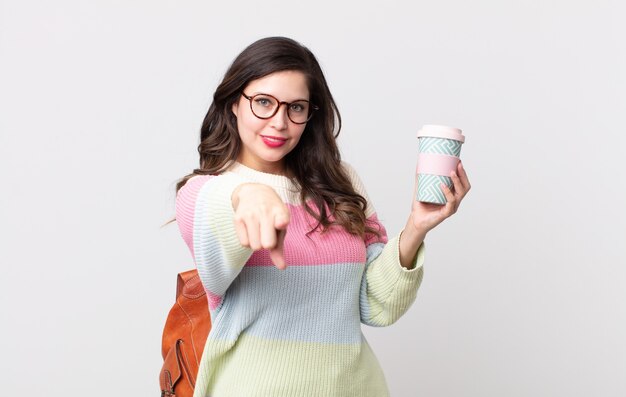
287, 244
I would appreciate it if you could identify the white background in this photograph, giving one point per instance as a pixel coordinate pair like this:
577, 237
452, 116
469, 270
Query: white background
524, 289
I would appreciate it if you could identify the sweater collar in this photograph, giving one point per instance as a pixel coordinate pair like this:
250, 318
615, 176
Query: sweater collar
276, 181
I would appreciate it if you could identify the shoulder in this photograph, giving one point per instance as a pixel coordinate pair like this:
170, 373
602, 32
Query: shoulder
354, 177
347, 167
350, 171
358, 186
197, 182
193, 185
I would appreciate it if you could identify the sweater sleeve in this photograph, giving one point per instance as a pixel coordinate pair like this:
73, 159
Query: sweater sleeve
204, 214
387, 288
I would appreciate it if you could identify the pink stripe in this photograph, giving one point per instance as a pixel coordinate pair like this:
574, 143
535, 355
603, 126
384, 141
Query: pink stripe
214, 299
333, 247
372, 221
185, 207
436, 164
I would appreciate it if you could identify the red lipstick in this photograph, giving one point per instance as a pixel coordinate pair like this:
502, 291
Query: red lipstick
273, 141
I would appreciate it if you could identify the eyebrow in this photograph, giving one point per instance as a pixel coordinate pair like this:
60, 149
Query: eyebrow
265, 93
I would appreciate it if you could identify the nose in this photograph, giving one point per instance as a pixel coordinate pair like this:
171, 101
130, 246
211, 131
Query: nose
280, 119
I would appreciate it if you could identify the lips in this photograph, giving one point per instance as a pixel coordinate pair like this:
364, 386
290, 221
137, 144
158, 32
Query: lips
273, 141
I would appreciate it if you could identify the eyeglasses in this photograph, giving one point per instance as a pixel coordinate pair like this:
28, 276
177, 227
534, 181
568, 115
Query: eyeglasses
265, 106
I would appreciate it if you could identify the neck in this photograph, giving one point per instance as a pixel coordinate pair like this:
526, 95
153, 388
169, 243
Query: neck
274, 168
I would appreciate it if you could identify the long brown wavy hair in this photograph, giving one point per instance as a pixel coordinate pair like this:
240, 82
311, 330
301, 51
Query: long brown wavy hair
315, 162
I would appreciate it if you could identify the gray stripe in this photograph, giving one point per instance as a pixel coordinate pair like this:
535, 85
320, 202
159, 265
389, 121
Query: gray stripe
301, 303
373, 251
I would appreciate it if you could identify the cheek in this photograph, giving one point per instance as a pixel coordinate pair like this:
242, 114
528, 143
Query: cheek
249, 124
298, 133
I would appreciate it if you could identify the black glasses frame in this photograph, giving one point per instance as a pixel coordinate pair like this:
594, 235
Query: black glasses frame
312, 107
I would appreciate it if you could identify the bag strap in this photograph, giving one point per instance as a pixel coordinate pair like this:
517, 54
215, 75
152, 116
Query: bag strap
184, 277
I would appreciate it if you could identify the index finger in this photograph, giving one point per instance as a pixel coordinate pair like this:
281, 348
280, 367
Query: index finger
463, 176
277, 254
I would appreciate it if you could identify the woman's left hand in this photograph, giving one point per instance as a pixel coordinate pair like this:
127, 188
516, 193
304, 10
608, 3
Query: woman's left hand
426, 216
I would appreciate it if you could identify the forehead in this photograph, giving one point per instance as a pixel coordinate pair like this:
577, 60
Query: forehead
286, 85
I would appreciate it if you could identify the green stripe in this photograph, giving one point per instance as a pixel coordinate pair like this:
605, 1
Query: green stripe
261, 367
428, 189
440, 146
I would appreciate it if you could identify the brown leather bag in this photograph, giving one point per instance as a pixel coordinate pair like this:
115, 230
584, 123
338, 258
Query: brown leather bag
186, 329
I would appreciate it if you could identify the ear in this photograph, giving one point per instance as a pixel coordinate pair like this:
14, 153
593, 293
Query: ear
234, 108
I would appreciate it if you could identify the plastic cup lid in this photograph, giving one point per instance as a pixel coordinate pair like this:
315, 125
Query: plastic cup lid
441, 131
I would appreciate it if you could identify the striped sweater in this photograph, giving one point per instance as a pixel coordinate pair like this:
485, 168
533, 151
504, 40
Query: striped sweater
295, 332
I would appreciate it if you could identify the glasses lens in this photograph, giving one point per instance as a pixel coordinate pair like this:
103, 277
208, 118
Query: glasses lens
263, 105
266, 106
299, 111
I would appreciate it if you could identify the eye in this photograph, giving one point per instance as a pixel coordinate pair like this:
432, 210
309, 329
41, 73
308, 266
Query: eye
264, 101
298, 107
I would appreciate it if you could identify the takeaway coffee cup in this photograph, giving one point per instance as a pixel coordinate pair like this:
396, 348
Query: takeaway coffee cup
439, 151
